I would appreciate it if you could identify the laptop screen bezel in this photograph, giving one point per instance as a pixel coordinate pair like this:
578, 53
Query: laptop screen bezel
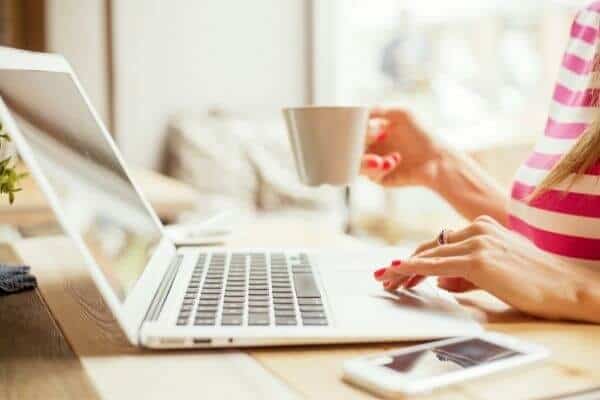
131, 312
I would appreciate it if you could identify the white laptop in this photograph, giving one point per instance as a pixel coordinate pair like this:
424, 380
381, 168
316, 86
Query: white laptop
165, 296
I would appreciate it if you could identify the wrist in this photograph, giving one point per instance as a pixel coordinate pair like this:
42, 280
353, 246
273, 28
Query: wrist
436, 171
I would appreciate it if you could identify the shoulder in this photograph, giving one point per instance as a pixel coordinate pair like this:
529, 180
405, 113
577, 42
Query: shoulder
593, 6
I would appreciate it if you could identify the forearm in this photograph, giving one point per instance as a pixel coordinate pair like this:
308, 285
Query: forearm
469, 189
582, 301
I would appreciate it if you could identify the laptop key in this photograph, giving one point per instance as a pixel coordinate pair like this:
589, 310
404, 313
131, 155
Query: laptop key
304, 308
206, 315
305, 285
285, 313
231, 320
281, 285
228, 311
314, 322
283, 301
234, 299
259, 319
258, 297
285, 321
204, 321
284, 307
258, 303
283, 296
207, 309
208, 303
310, 301
309, 315
210, 291
208, 296
252, 309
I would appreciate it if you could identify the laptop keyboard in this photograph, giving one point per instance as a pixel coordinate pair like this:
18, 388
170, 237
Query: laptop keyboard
252, 289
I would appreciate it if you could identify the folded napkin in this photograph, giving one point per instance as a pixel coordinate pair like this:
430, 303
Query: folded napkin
14, 279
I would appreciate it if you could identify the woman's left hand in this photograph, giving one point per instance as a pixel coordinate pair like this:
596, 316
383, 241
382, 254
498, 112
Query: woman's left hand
488, 256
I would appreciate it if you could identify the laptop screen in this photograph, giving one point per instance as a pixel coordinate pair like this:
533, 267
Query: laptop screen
95, 194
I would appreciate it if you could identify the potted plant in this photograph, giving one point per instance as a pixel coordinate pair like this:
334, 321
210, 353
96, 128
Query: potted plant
9, 177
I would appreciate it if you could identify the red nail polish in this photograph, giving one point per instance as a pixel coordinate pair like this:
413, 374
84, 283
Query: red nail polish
396, 263
412, 281
372, 164
387, 164
379, 272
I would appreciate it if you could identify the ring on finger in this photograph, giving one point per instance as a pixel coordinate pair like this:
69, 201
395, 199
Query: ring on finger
442, 238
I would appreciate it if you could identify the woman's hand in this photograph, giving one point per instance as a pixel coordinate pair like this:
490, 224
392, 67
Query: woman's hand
486, 255
398, 151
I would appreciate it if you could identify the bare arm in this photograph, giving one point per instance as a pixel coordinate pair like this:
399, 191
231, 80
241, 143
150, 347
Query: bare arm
401, 153
469, 189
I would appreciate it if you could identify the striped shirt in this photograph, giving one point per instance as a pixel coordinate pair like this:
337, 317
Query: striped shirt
564, 223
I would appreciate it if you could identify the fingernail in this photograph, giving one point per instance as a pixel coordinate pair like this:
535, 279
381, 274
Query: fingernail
387, 164
396, 263
379, 272
411, 281
372, 164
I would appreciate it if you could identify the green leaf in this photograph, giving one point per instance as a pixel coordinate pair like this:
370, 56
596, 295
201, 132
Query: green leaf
9, 178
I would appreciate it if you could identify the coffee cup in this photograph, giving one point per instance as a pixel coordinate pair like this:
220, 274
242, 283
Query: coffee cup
327, 142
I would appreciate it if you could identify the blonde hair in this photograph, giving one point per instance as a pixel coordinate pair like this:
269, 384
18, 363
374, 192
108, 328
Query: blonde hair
576, 162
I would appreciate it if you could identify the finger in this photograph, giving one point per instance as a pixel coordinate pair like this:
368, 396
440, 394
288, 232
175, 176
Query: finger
451, 237
376, 167
447, 250
413, 281
390, 162
394, 284
388, 113
377, 131
446, 266
371, 166
425, 246
380, 274
456, 285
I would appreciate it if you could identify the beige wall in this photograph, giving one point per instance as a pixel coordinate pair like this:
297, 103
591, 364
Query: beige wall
76, 29
185, 55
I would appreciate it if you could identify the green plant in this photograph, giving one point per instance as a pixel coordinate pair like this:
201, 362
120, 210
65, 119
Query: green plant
9, 177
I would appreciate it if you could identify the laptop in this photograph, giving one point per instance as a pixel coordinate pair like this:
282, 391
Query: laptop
165, 295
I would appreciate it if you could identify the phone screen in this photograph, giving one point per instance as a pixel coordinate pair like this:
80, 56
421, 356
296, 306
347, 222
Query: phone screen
439, 360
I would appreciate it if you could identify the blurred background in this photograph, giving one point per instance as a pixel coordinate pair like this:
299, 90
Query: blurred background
192, 89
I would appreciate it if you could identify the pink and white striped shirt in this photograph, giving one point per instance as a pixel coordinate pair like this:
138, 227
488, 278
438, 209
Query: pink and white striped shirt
566, 223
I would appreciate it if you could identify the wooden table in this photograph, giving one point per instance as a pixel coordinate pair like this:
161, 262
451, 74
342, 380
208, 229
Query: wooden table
73, 348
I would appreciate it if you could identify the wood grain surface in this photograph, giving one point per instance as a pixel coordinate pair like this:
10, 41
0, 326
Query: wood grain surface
36, 362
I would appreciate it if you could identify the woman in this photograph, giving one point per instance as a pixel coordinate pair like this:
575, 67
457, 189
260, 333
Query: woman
539, 251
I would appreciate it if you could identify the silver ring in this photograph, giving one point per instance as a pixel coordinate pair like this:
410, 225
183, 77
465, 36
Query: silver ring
442, 238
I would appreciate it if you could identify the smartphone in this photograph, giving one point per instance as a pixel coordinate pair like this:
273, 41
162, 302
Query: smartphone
423, 368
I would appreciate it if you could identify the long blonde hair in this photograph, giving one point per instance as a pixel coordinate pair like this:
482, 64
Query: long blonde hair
576, 162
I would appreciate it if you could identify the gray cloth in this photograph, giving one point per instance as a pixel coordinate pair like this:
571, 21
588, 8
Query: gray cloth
14, 279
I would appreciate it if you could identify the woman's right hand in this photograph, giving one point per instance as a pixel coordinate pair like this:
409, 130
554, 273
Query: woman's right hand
398, 152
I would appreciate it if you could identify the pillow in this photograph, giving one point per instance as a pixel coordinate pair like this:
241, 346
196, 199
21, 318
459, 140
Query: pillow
242, 164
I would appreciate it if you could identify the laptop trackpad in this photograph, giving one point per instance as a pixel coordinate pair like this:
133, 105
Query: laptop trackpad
357, 300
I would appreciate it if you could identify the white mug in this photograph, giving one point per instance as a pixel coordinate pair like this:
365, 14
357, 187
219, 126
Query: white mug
327, 142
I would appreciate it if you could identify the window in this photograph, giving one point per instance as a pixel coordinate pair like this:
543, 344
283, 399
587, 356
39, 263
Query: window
478, 74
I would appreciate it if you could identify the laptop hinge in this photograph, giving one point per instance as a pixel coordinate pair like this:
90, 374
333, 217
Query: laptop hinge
163, 289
